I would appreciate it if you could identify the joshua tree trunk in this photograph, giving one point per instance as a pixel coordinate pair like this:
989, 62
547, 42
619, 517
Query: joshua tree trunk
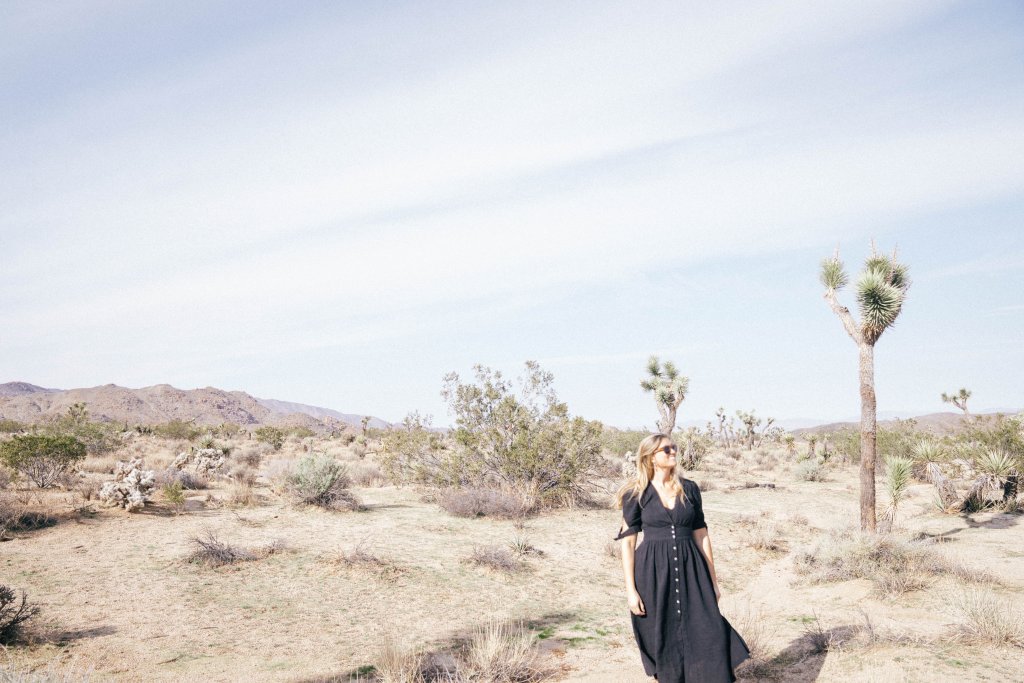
868, 433
668, 420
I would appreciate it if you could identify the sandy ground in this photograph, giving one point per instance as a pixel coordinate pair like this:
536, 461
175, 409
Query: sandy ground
124, 603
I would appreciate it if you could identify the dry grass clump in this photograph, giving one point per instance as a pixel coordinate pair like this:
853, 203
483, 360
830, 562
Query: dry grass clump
483, 502
188, 480
894, 565
52, 674
210, 550
17, 516
522, 546
366, 473
756, 631
987, 618
361, 557
496, 557
613, 549
811, 470
497, 652
242, 494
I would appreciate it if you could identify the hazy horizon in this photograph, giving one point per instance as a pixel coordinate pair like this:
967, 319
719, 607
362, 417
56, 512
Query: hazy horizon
335, 204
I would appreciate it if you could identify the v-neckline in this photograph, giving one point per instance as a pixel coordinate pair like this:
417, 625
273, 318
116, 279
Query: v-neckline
667, 508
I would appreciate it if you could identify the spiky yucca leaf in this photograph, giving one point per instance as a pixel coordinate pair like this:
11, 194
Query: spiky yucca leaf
928, 451
896, 481
879, 301
833, 276
669, 370
996, 463
654, 366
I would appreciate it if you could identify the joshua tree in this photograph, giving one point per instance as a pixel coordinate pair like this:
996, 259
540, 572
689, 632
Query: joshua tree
881, 289
959, 399
669, 388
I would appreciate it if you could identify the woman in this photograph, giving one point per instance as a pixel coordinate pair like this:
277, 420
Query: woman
671, 584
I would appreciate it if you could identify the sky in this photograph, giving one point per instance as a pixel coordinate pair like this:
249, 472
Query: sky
337, 203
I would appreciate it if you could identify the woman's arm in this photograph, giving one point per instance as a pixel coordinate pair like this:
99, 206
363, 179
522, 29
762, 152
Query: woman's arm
628, 544
704, 541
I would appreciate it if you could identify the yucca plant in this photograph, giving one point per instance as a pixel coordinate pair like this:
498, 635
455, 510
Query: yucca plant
958, 399
897, 480
881, 289
669, 389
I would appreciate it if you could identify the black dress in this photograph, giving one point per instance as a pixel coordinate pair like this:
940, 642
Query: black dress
682, 636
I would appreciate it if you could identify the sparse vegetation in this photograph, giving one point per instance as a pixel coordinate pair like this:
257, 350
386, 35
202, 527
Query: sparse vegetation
669, 389
320, 480
272, 436
483, 502
44, 459
988, 618
496, 557
15, 612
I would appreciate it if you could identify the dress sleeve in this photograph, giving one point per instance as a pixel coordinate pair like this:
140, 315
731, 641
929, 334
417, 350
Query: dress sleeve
631, 516
698, 508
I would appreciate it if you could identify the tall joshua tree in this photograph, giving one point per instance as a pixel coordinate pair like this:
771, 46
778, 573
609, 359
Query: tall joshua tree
958, 399
669, 389
881, 289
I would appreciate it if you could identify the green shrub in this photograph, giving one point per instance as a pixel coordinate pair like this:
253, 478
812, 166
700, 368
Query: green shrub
11, 426
42, 458
301, 432
177, 430
98, 437
810, 470
174, 494
271, 435
321, 480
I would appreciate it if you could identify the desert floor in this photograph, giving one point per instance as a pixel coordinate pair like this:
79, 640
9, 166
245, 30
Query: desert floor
119, 599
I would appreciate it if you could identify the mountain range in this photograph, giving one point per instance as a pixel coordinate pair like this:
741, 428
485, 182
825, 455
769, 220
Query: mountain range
26, 402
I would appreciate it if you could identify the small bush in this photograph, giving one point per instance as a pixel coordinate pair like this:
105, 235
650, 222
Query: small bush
13, 614
272, 436
320, 480
43, 459
15, 516
521, 546
361, 557
178, 430
495, 557
483, 502
5, 479
174, 494
987, 618
810, 470
503, 652
11, 427
211, 551
895, 566
242, 494
243, 474
249, 456
188, 480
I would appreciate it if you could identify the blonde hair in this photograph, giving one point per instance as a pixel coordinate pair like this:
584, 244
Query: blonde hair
645, 469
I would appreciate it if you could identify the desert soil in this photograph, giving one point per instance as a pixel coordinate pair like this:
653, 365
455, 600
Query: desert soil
118, 598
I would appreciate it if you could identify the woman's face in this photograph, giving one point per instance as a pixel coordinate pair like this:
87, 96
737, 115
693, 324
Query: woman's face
663, 459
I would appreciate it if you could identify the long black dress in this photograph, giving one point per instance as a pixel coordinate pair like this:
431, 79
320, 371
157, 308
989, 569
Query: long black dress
682, 636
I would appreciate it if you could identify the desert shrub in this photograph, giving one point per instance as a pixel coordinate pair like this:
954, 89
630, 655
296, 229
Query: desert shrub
733, 453
995, 433
301, 432
253, 457
810, 470
174, 494
694, 445
496, 557
897, 479
11, 426
271, 435
987, 618
210, 550
179, 430
5, 478
502, 652
188, 480
15, 516
415, 452
98, 437
618, 441
363, 558
366, 474
757, 633
243, 474
14, 613
894, 565
320, 480
522, 546
242, 494
42, 458
766, 536
483, 502
228, 430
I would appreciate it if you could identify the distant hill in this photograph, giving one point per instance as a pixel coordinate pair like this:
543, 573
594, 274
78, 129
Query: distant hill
933, 423
161, 403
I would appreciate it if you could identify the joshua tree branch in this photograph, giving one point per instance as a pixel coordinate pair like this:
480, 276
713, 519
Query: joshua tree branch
845, 316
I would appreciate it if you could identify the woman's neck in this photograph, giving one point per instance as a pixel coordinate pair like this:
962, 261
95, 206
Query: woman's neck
662, 476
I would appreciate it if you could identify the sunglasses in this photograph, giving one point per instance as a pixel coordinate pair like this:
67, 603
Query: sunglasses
668, 450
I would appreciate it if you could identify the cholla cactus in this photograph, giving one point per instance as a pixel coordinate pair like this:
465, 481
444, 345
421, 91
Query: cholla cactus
881, 290
131, 486
206, 461
669, 388
629, 465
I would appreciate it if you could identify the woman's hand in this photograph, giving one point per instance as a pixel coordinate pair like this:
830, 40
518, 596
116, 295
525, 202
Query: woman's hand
718, 593
636, 605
